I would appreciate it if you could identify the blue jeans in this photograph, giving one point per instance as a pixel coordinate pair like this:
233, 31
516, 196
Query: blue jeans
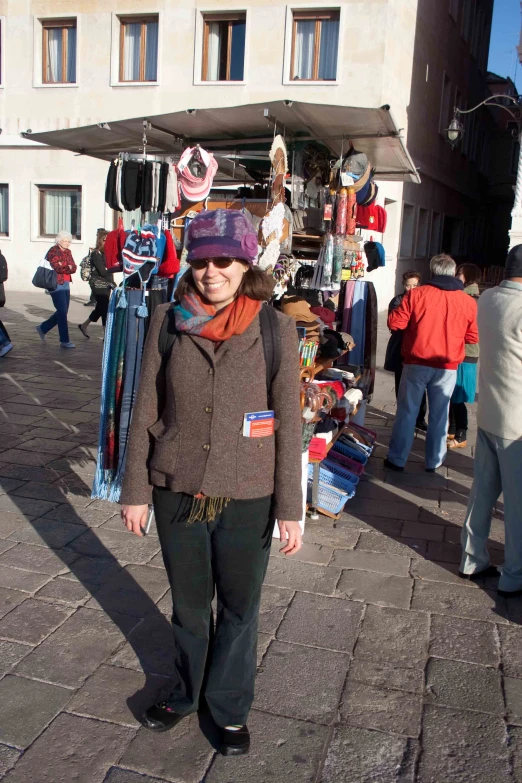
61, 297
439, 385
497, 469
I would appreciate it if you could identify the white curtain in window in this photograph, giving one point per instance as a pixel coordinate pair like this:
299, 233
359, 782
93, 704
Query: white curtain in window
151, 52
4, 209
59, 211
54, 54
329, 48
131, 52
304, 49
71, 55
214, 52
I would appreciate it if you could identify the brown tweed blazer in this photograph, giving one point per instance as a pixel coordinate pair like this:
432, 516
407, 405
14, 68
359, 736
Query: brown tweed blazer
187, 425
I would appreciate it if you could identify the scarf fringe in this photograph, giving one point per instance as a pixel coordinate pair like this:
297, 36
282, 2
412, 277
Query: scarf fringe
206, 509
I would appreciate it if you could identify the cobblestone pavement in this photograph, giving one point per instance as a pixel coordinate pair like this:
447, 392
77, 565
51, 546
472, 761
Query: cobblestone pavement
376, 663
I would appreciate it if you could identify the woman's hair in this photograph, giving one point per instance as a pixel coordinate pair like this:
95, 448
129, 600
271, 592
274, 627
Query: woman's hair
470, 272
409, 274
443, 265
63, 235
256, 284
100, 236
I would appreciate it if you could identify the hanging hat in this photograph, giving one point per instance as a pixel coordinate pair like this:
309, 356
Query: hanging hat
195, 188
221, 233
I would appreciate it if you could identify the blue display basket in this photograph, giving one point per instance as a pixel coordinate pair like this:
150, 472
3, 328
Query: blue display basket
329, 499
331, 479
342, 448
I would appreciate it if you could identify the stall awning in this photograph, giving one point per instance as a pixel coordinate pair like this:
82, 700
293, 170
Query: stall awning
232, 130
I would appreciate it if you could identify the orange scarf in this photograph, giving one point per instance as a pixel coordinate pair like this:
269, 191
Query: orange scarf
194, 316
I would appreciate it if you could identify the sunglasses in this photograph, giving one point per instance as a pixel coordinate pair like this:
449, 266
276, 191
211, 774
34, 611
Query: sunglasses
219, 263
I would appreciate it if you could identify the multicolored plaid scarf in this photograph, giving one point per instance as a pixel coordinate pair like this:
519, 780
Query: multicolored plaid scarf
194, 316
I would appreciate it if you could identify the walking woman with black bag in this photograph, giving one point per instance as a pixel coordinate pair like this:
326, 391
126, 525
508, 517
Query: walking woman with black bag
215, 444
101, 282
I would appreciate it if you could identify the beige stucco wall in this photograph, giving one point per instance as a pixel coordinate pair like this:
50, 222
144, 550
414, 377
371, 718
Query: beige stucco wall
375, 63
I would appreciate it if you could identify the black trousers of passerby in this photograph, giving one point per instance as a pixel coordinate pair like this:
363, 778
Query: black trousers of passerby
458, 420
102, 297
228, 556
421, 418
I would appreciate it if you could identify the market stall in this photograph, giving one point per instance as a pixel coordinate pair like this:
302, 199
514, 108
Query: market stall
307, 176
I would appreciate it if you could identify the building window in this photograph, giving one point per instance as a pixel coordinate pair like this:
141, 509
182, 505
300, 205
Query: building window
436, 225
315, 43
139, 49
407, 228
59, 51
4, 210
421, 249
60, 209
445, 104
467, 19
224, 47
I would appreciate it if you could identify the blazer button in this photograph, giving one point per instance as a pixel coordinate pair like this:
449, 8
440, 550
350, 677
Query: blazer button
208, 409
211, 371
206, 447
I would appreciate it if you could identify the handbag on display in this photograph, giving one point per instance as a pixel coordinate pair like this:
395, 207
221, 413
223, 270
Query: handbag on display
45, 276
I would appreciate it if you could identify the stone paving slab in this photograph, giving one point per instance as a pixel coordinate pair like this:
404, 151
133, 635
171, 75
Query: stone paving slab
377, 664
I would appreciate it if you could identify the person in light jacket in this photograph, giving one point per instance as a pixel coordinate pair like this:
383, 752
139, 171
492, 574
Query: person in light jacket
61, 260
498, 451
216, 491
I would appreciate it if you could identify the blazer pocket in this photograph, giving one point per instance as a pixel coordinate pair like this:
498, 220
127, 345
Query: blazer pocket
166, 448
255, 458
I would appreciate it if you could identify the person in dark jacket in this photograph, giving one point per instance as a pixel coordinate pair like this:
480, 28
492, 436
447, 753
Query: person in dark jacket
466, 385
393, 361
102, 283
5, 341
215, 489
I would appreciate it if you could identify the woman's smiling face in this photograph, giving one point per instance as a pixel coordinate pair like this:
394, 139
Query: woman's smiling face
217, 285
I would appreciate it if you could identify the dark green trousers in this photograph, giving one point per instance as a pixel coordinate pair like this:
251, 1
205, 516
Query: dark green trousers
228, 556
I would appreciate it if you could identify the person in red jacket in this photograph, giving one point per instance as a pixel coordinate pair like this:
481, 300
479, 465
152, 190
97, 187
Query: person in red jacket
438, 320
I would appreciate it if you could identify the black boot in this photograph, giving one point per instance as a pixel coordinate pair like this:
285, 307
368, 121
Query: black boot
234, 743
160, 717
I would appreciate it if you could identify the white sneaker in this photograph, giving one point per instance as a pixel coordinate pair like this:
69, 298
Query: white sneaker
6, 349
68, 345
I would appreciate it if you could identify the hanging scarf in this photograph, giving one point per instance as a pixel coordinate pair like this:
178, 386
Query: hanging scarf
193, 316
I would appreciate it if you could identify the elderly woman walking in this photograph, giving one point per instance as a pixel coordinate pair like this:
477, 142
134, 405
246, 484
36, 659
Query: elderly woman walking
216, 490
61, 260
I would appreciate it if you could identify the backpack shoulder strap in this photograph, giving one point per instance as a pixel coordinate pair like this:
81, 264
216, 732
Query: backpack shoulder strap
271, 336
167, 335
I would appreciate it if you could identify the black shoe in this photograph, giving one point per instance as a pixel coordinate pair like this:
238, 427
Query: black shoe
509, 593
160, 717
234, 743
392, 466
422, 426
489, 571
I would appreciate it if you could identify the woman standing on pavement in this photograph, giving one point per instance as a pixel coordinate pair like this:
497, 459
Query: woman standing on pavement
102, 283
466, 385
216, 491
393, 361
61, 260
5, 341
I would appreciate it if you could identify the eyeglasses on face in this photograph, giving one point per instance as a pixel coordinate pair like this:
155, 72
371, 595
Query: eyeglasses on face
219, 263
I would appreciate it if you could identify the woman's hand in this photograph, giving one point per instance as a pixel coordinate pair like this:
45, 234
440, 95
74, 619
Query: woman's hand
292, 532
135, 518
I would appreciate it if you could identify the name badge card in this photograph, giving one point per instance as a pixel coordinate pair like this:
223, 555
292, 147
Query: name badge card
259, 425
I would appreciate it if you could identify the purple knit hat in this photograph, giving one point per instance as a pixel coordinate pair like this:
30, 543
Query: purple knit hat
221, 233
